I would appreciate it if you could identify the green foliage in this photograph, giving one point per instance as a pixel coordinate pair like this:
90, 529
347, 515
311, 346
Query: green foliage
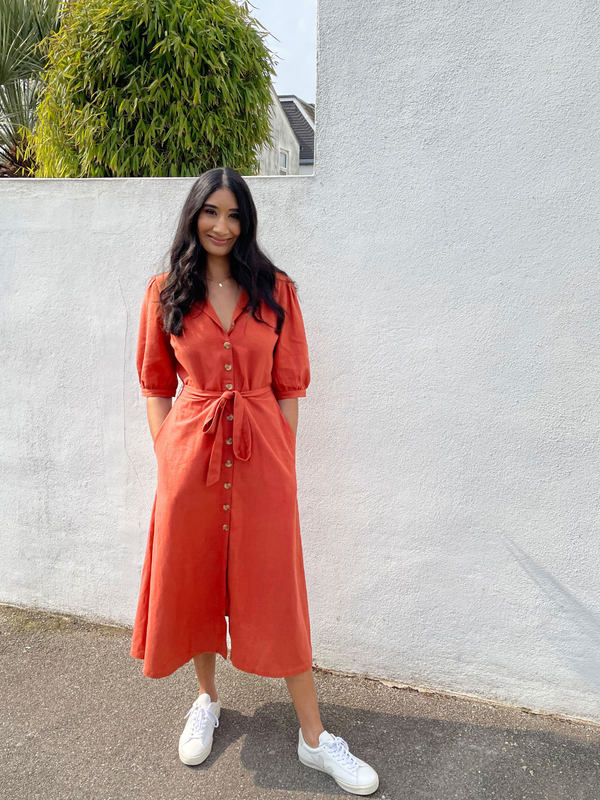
154, 88
24, 27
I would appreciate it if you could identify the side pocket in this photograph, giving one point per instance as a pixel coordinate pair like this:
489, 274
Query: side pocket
286, 423
160, 430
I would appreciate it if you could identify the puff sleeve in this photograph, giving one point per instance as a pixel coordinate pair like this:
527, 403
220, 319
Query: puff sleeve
291, 368
155, 357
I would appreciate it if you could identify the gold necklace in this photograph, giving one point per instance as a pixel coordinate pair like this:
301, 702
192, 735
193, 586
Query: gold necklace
220, 284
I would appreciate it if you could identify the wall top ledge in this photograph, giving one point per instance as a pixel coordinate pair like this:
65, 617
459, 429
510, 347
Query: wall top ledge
34, 181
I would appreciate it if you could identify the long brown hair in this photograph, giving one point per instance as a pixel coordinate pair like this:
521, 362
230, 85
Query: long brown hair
185, 283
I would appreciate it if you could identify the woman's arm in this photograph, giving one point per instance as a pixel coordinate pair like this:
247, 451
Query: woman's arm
157, 409
289, 409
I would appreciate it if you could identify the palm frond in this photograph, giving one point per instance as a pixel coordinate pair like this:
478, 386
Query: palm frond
25, 26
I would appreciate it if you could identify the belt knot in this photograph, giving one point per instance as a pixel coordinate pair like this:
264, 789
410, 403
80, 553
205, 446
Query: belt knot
242, 429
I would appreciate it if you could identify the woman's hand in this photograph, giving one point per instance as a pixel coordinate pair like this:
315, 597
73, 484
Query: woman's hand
289, 409
158, 409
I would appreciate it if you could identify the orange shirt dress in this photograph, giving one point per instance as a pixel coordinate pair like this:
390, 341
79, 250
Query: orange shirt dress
224, 536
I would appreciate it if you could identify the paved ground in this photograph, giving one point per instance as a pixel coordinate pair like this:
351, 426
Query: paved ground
79, 720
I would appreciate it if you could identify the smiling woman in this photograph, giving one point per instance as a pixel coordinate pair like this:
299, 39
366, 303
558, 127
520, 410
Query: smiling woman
224, 541
218, 230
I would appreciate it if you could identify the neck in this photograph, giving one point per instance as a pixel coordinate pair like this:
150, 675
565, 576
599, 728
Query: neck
217, 267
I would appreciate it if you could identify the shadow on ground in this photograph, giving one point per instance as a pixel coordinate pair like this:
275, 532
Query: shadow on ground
79, 720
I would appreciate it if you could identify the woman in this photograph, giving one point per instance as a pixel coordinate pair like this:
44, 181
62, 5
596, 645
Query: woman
224, 538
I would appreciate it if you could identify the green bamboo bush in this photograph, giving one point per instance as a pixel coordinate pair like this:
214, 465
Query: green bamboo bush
154, 88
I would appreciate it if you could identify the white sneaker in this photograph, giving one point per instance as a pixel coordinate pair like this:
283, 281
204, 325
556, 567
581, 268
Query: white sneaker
333, 756
195, 743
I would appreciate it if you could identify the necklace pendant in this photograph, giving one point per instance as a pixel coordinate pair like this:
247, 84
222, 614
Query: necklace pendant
221, 285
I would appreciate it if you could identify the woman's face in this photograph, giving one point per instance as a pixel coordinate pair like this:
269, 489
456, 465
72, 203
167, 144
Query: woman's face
219, 222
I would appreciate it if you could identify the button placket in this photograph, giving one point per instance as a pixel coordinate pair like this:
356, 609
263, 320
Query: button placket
228, 463
228, 366
229, 440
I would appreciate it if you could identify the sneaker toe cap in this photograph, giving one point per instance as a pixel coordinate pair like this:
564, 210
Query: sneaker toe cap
366, 775
192, 748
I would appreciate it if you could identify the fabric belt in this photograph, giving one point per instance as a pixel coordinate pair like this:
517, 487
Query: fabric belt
242, 432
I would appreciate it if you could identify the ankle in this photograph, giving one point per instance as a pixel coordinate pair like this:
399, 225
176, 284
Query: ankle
311, 736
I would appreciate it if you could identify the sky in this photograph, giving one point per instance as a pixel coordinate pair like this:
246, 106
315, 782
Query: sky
294, 23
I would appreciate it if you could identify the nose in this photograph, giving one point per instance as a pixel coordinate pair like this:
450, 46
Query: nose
220, 227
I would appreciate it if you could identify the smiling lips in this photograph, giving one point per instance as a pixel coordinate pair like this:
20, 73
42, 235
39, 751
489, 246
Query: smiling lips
217, 241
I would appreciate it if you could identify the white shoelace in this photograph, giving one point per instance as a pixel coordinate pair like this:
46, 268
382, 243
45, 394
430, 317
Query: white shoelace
199, 717
339, 750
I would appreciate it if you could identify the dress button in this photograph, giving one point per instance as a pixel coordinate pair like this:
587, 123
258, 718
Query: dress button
229, 385
228, 366
230, 416
227, 345
229, 441
233, 324
227, 485
225, 527
225, 507
228, 463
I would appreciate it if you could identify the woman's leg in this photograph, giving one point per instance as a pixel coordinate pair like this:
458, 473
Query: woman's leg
204, 664
304, 696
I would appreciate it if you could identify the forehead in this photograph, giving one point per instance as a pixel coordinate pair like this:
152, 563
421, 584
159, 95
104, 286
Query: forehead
223, 198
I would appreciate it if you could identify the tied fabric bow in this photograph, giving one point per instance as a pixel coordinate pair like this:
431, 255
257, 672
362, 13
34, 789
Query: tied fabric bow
242, 432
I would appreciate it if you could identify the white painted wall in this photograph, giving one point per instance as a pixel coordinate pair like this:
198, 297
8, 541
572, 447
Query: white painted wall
446, 251
284, 138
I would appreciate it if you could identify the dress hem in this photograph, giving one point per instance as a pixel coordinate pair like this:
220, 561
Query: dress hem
286, 674
166, 672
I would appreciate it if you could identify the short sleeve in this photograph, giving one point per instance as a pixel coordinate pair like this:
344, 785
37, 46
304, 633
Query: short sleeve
155, 357
291, 368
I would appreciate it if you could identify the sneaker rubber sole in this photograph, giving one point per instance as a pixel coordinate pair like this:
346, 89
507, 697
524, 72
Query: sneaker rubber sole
353, 789
194, 760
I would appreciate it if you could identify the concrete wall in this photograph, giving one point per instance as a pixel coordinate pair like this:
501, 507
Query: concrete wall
447, 257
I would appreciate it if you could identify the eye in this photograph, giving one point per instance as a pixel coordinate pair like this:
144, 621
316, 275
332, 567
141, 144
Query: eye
212, 211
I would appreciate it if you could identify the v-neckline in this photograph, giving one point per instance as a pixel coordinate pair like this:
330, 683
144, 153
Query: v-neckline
213, 314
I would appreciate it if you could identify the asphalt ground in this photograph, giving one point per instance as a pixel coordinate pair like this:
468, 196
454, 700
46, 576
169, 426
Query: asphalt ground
78, 719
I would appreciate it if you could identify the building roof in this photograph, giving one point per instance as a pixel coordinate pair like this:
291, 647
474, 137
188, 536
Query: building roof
301, 116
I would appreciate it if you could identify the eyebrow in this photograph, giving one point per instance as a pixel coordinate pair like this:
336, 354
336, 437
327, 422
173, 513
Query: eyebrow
210, 205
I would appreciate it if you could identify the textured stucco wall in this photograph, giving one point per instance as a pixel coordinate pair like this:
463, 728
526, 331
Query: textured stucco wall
447, 257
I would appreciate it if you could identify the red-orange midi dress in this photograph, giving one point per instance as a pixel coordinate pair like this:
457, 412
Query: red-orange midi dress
224, 536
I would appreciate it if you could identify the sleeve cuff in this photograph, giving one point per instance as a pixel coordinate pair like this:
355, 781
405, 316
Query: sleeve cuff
159, 392
290, 394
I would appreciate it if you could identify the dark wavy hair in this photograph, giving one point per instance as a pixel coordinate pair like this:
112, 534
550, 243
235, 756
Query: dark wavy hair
185, 284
